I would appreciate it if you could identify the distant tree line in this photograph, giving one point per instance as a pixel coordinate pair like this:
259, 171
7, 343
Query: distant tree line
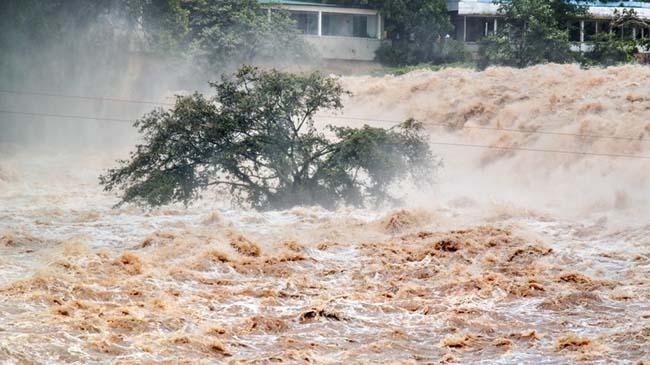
218, 35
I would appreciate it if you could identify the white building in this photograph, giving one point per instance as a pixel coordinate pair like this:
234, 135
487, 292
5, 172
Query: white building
475, 19
355, 33
341, 33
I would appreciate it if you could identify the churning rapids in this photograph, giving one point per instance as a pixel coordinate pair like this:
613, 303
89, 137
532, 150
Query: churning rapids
515, 256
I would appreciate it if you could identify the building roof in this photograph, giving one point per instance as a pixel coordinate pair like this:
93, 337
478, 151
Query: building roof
310, 3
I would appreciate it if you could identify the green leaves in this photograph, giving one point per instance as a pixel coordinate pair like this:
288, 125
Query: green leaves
611, 48
532, 32
418, 29
383, 157
218, 34
164, 21
232, 32
257, 138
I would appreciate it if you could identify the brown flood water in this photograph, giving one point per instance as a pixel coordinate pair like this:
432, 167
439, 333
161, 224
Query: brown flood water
513, 257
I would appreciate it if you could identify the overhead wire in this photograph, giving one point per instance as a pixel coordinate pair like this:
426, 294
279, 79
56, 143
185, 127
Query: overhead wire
97, 98
510, 148
467, 145
514, 130
341, 117
344, 117
65, 116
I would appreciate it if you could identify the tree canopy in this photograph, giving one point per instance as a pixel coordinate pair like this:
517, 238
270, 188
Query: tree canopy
257, 138
614, 47
234, 32
38, 22
531, 32
418, 31
217, 33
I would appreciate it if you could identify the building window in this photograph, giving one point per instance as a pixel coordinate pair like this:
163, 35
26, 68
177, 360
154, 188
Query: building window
477, 28
643, 33
306, 22
590, 30
349, 25
628, 32
574, 31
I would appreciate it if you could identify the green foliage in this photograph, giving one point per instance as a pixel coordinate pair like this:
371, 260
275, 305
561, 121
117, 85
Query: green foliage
67, 41
39, 23
233, 32
165, 23
427, 19
256, 137
611, 48
441, 51
218, 33
532, 32
418, 31
449, 50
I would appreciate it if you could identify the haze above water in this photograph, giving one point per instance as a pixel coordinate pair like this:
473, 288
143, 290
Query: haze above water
514, 255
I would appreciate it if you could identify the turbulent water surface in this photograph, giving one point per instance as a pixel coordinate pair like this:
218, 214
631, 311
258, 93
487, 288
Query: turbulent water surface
515, 256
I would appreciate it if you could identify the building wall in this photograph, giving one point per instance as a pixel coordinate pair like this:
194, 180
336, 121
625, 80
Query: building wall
474, 7
345, 48
341, 32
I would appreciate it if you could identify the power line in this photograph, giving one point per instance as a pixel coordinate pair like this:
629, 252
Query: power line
343, 117
447, 125
514, 130
540, 150
99, 98
65, 116
369, 120
532, 131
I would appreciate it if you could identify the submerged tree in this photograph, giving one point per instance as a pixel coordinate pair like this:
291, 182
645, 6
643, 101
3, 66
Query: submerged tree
257, 138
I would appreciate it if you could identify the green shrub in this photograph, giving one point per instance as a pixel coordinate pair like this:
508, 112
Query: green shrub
445, 50
609, 49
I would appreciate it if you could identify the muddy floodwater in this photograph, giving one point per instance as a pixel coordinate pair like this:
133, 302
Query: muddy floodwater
513, 256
